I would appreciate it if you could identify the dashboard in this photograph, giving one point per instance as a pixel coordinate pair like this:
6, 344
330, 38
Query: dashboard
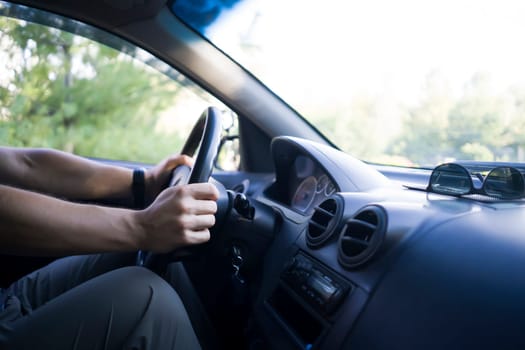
355, 260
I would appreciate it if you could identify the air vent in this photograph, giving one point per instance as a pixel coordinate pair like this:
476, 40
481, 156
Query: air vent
362, 236
323, 222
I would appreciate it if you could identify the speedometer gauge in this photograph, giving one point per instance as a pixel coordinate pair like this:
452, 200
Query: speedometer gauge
305, 193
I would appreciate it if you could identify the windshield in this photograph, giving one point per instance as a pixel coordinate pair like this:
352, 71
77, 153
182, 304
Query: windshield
392, 82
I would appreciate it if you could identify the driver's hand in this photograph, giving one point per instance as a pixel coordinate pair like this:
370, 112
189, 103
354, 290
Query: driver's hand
178, 217
158, 177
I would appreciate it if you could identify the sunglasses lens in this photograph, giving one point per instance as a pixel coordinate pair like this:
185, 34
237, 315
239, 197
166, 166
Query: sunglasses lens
450, 179
505, 183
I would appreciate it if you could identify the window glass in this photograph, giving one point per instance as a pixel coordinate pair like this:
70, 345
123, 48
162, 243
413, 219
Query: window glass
403, 82
70, 86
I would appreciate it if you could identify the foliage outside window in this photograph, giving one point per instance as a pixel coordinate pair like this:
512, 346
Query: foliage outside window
65, 91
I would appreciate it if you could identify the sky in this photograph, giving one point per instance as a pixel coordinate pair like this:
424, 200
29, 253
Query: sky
374, 46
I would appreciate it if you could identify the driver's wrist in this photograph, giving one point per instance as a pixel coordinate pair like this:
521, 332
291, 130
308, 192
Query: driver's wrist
137, 233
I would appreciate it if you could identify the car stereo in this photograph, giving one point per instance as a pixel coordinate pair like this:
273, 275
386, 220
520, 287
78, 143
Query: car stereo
320, 287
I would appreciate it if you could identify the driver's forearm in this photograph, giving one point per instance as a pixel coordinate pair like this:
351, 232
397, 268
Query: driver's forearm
35, 224
63, 174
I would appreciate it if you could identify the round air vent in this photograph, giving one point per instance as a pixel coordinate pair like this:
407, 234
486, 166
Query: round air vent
324, 221
362, 236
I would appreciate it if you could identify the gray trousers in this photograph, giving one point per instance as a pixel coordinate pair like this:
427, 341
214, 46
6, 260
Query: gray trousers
96, 302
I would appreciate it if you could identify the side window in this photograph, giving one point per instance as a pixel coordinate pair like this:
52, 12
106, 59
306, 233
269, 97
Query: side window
70, 86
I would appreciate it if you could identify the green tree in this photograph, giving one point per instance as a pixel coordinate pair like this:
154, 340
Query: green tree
70, 93
363, 127
516, 124
481, 124
477, 124
424, 135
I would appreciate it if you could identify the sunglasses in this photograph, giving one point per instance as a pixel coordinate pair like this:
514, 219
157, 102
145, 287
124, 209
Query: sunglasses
503, 182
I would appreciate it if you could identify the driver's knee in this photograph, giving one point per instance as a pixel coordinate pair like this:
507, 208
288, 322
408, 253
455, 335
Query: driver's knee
164, 322
128, 308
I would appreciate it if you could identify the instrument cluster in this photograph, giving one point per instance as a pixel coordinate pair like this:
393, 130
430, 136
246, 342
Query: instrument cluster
309, 185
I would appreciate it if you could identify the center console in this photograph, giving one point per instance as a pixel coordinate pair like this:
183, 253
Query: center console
306, 299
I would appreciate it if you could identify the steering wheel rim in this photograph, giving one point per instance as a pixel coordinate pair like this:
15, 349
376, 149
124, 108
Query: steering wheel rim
205, 139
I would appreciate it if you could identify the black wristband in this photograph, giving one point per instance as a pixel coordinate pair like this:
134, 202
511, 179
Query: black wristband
138, 188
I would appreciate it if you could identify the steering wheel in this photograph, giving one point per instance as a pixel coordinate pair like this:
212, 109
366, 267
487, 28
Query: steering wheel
205, 139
